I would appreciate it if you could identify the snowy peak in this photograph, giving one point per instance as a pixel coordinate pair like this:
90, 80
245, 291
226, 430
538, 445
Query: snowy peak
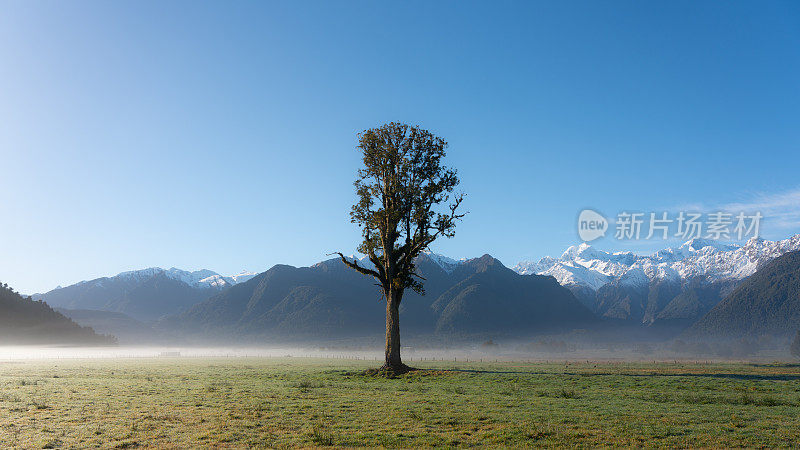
710, 260
699, 244
200, 279
215, 280
191, 278
585, 252
242, 276
446, 263
220, 281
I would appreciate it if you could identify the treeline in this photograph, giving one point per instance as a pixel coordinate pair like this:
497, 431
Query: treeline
27, 321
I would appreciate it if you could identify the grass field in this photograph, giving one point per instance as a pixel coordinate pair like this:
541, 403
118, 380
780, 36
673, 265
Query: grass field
275, 402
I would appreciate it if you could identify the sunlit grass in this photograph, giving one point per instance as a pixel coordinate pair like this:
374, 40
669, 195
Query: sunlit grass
272, 402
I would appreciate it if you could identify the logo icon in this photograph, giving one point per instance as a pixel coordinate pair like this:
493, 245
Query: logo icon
591, 225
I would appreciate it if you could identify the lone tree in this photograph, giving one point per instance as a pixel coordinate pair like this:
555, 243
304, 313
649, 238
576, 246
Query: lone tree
795, 347
405, 202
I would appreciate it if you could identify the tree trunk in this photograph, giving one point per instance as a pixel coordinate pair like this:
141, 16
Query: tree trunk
393, 361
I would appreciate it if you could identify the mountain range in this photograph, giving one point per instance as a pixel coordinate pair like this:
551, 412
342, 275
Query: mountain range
586, 267
474, 297
146, 294
672, 287
666, 292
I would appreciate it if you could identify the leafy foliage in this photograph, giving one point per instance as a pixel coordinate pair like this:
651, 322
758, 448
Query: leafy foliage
399, 191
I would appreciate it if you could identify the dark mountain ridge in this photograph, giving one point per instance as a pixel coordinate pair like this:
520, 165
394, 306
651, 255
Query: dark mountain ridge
668, 305
480, 296
766, 303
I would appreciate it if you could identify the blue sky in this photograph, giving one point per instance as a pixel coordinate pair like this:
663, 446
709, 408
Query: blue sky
222, 135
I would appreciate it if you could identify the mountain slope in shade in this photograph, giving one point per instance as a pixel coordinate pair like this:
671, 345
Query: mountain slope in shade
331, 300
694, 301
490, 298
146, 294
767, 303
126, 329
327, 298
26, 321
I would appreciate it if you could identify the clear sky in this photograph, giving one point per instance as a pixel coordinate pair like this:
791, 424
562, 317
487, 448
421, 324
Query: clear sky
222, 135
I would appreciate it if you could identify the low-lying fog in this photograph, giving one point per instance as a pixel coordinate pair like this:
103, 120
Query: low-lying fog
475, 353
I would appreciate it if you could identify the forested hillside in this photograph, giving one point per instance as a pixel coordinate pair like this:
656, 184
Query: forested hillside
26, 321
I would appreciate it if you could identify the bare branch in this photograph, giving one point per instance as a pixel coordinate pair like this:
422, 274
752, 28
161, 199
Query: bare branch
354, 265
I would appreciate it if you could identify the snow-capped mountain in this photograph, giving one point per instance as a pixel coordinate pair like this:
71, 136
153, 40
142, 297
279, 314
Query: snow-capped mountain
446, 263
145, 294
673, 287
591, 268
202, 278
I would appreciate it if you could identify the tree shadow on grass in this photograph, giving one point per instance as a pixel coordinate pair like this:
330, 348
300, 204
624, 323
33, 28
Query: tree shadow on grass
732, 376
776, 365
433, 372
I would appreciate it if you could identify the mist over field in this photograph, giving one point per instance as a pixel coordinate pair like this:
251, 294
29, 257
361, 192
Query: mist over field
540, 348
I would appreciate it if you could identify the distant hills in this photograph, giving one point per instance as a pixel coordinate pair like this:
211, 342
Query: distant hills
767, 303
478, 296
145, 295
26, 321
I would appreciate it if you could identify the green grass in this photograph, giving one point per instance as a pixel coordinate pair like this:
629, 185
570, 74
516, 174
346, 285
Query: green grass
275, 402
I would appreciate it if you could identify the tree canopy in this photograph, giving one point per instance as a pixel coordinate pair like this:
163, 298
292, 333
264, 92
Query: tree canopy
400, 190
